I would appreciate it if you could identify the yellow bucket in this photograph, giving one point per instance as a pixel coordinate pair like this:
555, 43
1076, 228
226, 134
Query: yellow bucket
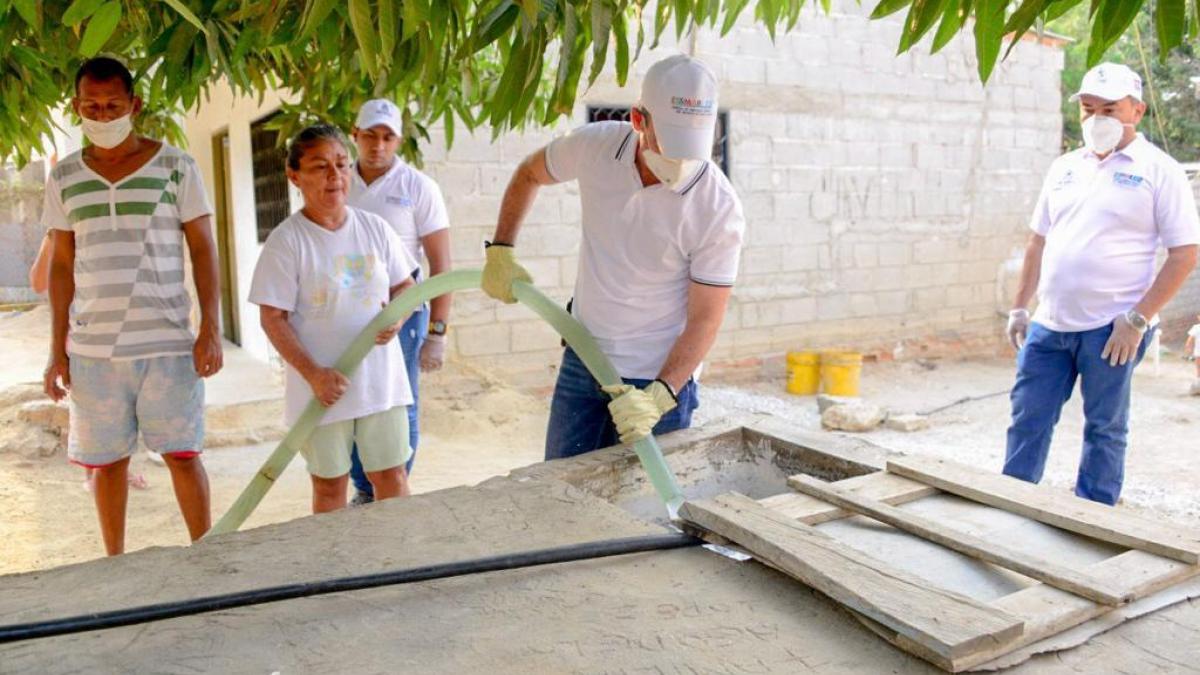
804, 373
840, 372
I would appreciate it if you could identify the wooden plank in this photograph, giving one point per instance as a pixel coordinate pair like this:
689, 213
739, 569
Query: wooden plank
1043, 570
1048, 611
949, 625
1070, 513
882, 486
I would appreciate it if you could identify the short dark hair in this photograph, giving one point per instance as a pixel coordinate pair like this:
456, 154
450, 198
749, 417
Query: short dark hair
310, 136
103, 69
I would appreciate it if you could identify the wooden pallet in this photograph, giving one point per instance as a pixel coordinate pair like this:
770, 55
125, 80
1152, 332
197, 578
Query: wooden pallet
948, 629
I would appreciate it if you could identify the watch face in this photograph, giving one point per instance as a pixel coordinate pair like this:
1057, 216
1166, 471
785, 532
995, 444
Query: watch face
437, 327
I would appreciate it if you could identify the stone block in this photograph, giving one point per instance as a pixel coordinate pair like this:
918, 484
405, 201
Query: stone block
853, 417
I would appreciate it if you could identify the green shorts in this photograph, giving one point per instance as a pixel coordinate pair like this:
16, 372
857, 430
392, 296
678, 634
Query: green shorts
382, 441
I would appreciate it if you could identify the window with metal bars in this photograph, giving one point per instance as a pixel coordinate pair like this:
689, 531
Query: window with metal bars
271, 203
720, 150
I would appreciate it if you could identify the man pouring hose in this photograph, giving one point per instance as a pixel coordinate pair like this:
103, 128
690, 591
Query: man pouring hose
662, 232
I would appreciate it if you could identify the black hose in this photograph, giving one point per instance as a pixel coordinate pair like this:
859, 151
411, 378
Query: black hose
170, 610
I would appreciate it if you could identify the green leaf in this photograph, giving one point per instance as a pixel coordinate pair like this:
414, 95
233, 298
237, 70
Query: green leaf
922, 14
364, 33
953, 17
318, 11
100, 28
601, 27
387, 28
889, 7
1022, 19
31, 11
622, 51
1060, 7
733, 8
989, 31
186, 13
1111, 19
80, 10
496, 24
683, 14
1170, 19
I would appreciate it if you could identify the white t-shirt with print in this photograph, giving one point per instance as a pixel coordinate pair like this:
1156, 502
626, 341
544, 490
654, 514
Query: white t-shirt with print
332, 284
643, 246
407, 199
1103, 221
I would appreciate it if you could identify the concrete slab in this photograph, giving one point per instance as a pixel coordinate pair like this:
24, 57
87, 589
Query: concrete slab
683, 611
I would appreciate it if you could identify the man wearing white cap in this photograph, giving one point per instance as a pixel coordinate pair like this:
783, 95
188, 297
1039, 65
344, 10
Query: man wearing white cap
1103, 211
412, 204
662, 231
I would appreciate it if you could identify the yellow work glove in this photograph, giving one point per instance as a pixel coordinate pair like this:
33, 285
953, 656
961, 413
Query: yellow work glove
636, 411
500, 271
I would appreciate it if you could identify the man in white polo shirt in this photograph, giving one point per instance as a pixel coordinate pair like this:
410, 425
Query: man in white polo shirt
662, 231
412, 204
1103, 211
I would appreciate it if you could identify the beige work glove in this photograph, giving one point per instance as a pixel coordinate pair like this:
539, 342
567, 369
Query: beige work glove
500, 271
636, 411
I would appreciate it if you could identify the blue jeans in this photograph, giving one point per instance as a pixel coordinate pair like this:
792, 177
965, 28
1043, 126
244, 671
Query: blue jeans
579, 417
1047, 367
411, 336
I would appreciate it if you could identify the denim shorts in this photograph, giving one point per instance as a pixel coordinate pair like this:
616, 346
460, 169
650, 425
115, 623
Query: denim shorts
111, 401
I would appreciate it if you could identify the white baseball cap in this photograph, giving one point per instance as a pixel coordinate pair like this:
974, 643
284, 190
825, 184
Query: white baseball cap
680, 93
379, 111
1111, 82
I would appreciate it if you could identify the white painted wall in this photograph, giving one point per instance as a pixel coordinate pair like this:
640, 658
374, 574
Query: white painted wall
223, 111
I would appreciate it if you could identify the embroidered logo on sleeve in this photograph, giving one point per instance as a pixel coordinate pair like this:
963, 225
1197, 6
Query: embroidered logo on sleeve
1064, 180
1127, 179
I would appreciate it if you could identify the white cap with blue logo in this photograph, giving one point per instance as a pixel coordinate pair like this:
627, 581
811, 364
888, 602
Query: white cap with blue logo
1111, 82
379, 111
680, 93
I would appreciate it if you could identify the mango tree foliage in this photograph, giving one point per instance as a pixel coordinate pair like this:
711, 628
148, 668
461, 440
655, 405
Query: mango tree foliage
996, 23
464, 63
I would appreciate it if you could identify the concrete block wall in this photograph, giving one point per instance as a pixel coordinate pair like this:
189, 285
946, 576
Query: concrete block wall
883, 193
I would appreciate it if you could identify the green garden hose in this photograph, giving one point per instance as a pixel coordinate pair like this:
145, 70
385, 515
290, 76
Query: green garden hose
401, 306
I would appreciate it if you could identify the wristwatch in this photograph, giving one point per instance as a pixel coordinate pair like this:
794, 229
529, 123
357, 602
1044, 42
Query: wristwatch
437, 327
1136, 320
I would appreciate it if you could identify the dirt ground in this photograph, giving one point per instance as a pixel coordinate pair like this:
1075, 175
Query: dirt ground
474, 426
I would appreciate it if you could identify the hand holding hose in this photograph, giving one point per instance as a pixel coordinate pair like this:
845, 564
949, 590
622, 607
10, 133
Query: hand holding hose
636, 411
500, 271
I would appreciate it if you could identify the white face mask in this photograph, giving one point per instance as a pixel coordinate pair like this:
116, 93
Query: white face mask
672, 172
1102, 133
108, 134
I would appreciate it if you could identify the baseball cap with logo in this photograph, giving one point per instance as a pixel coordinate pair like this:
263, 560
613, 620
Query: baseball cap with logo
680, 93
1111, 82
379, 111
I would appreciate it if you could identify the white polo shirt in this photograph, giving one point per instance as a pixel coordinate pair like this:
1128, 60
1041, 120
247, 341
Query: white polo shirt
407, 199
1103, 221
643, 246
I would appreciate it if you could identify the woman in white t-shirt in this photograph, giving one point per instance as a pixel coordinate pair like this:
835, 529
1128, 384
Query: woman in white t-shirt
323, 275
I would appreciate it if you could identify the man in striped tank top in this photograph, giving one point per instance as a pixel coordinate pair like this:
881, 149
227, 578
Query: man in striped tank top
119, 212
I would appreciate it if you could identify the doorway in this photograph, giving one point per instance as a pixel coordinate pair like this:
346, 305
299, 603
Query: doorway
225, 251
